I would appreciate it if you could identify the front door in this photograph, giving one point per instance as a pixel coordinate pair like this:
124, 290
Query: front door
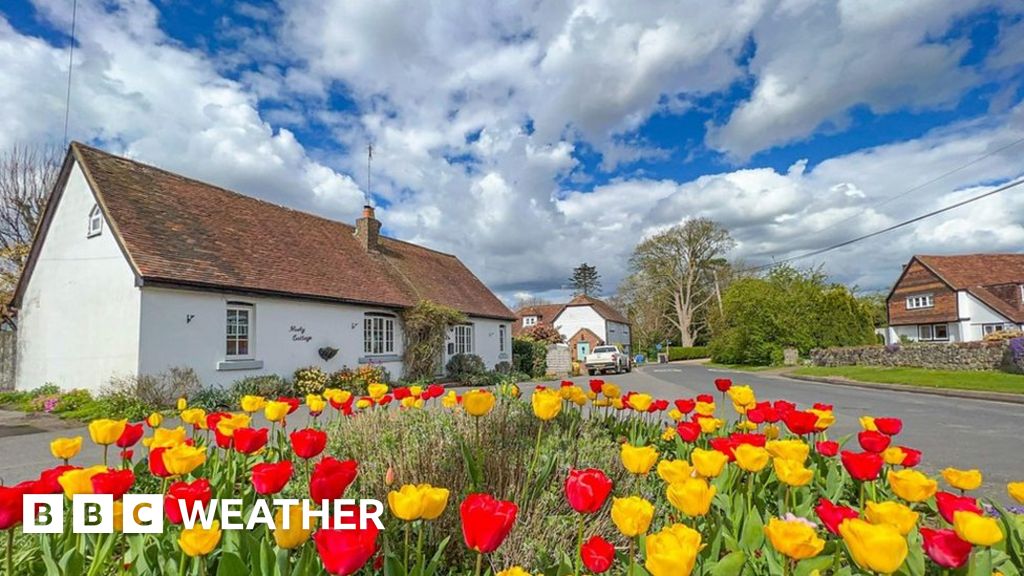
582, 351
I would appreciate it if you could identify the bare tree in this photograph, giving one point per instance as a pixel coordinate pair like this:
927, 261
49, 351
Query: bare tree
27, 174
681, 263
646, 306
528, 301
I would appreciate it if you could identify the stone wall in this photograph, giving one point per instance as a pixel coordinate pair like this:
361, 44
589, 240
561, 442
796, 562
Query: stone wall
954, 356
559, 360
8, 355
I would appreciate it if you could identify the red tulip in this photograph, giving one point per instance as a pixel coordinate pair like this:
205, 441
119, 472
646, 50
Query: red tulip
433, 391
705, 398
872, 441
686, 405
945, 548
270, 478
114, 482
738, 438
801, 423
214, 418
250, 441
598, 554
486, 521
131, 435
156, 463
723, 384
827, 448
127, 454
862, 466
725, 446
385, 400
223, 440
763, 412
911, 457
293, 403
191, 493
823, 407
403, 392
596, 384
949, 504
688, 431
587, 490
331, 478
346, 551
11, 498
47, 482
832, 515
659, 405
308, 443
889, 426
566, 383
783, 407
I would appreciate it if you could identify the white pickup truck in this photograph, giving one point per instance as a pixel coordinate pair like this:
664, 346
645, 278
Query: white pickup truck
605, 358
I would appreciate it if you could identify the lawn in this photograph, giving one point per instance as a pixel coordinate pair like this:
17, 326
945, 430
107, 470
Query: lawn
989, 381
738, 367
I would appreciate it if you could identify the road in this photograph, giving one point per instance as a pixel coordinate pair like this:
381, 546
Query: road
950, 432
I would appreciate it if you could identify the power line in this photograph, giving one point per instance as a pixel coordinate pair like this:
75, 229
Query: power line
71, 61
890, 228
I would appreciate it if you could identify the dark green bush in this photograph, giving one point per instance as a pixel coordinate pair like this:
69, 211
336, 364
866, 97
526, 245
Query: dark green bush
213, 399
72, 400
687, 352
530, 356
268, 386
114, 405
464, 367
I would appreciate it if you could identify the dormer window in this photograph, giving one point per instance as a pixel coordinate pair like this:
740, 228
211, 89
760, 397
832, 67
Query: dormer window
95, 221
529, 321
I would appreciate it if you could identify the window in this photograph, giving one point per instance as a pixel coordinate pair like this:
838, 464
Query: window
921, 301
95, 221
239, 324
992, 328
464, 339
378, 334
501, 337
932, 332
529, 320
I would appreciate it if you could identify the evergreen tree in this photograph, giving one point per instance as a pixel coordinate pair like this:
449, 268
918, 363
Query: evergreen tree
585, 280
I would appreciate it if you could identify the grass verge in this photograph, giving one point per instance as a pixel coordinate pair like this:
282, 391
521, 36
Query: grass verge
987, 381
738, 367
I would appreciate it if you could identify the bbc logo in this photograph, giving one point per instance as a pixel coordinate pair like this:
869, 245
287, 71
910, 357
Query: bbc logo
93, 514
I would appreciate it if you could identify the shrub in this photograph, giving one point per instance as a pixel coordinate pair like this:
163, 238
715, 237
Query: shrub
463, 367
688, 352
158, 390
310, 380
113, 404
503, 367
13, 397
356, 381
530, 356
426, 327
72, 400
269, 386
213, 399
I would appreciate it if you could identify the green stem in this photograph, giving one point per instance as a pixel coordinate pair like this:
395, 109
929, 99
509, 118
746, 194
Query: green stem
579, 547
632, 556
10, 551
479, 563
419, 549
405, 563
181, 564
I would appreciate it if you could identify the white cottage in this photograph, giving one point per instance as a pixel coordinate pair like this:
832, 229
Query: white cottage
136, 270
584, 322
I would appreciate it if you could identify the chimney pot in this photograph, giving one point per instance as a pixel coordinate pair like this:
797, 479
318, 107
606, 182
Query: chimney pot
367, 211
368, 230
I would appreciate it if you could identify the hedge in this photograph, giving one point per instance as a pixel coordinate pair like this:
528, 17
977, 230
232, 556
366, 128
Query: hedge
687, 352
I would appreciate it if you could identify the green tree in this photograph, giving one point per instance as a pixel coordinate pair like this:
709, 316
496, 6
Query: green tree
585, 280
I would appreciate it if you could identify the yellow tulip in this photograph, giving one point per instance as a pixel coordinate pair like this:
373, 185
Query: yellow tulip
640, 402
691, 496
513, 571
708, 463
182, 404
771, 431
105, 431
751, 458
705, 408
578, 397
796, 450
315, 403
610, 390
962, 479
912, 485
795, 538
710, 425
198, 541
79, 481
276, 411
632, 515
617, 404
293, 536
638, 459
977, 529
792, 472
166, 438
877, 547
894, 456
194, 416
742, 398
893, 513
119, 516
66, 448
546, 404
227, 426
674, 470
478, 402
251, 403
154, 420
672, 551
746, 426
450, 400
868, 424
364, 403
1016, 491
183, 459
668, 434
417, 391
435, 500
406, 503
826, 418
675, 415
377, 390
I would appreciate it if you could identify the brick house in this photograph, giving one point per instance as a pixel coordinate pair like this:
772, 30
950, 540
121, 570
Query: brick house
584, 323
956, 298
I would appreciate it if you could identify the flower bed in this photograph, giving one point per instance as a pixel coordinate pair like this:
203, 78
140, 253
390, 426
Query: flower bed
576, 480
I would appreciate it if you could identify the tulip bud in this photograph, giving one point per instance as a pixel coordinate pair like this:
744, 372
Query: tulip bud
389, 476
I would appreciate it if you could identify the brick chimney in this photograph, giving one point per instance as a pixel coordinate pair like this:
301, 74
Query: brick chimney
368, 230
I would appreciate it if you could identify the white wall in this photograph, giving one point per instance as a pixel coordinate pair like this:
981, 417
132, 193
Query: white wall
574, 318
976, 313
79, 319
485, 341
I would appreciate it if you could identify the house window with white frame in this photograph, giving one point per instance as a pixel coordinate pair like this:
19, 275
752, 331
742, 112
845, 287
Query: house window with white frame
920, 301
501, 337
987, 329
378, 334
463, 339
95, 221
529, 321
931, 332
239, 330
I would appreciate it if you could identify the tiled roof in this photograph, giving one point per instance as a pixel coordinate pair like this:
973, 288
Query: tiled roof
545, 314
603, 308
181, 231
978, 273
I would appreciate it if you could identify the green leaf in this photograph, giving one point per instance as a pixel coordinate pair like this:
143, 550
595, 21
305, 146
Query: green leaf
730, 565
805, 567
752, 537
980, 563
231, 565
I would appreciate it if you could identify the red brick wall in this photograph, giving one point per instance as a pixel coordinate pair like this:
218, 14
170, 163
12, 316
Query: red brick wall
583, 335
918, 280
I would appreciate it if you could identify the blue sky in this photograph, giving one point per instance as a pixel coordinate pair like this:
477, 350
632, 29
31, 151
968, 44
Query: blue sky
526, 137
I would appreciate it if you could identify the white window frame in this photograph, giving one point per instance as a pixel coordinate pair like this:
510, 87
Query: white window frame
932, 336
992, 328
233, 335
501, 338
95, 227
529, 321
920, 301
462, 335
379, 334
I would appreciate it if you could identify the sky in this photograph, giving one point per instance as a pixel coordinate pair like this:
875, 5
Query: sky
526, 137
